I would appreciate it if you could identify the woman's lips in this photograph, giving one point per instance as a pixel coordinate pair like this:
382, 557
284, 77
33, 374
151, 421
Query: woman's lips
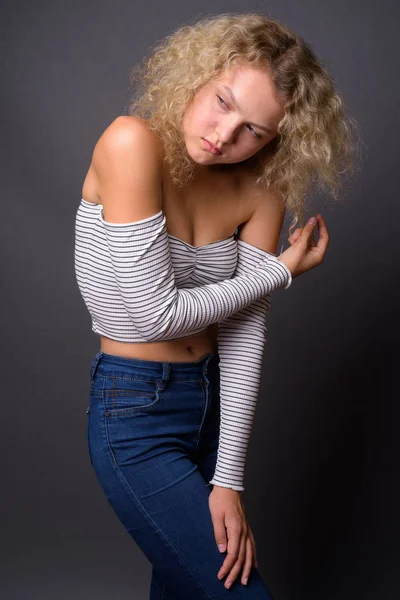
210, 147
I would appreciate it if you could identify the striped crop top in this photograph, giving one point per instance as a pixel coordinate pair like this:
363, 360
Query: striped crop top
140, 284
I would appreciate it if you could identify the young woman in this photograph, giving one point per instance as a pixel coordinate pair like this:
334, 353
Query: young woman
176, 235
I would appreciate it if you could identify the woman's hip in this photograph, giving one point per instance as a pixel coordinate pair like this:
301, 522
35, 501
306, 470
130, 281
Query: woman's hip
148, 416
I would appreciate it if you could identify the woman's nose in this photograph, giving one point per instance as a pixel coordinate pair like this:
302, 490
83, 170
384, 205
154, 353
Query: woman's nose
228, 128
225, 135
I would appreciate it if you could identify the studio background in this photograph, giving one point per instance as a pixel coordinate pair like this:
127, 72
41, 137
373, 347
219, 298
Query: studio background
322, 477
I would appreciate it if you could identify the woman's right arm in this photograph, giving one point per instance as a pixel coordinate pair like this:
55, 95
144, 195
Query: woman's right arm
128, 163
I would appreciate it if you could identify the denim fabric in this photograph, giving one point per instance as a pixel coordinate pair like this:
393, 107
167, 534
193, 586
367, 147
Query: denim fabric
152, 431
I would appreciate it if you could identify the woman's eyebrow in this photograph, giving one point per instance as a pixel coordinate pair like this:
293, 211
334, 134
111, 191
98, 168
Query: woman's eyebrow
238, 107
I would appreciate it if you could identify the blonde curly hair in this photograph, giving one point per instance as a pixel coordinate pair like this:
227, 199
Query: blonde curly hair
314, 143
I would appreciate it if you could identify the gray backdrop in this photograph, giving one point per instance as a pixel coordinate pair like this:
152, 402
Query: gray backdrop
322, 477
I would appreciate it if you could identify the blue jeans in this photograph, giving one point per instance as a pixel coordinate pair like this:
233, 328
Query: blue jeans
152, 430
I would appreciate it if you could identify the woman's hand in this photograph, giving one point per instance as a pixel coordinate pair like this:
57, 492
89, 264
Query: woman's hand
303, 254
233, 532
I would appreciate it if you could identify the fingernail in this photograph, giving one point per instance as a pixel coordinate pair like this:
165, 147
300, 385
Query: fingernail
221, 547
245, 581
228, 585
312, 221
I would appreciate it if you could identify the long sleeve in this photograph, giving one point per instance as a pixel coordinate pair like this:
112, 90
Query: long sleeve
141, 261
241, 341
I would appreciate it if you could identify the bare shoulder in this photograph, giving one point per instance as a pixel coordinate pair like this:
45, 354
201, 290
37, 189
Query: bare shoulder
266, 215
126, 133
127, 161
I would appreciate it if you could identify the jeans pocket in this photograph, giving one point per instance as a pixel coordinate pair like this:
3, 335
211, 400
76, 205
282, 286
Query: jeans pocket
124, 396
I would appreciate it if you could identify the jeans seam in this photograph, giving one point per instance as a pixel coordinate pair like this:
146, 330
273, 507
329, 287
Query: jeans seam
204, 407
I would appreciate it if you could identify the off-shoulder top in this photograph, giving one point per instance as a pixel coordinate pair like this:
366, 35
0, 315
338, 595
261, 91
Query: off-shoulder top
140, 284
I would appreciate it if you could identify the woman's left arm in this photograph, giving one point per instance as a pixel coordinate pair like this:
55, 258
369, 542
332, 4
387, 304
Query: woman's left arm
241, 341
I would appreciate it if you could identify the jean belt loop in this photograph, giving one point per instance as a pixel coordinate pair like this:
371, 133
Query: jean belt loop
165, 374
95, 362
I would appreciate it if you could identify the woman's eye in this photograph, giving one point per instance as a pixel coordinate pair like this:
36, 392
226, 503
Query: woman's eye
222, 101
253, 131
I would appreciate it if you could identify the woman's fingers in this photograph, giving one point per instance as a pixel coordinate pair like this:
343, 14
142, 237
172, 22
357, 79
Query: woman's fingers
322, 232
304, 254
307, 241
219, 532
244, 562
295, 235
238, 564
311, 240
308, 230
230, 524
248, 562
234, 540
323, 239
316, 252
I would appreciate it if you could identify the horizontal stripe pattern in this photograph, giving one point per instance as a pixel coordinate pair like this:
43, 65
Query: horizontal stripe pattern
241, 341
135, 266
141, 284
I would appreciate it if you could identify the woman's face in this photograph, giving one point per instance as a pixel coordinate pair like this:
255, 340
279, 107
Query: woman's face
238, 113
